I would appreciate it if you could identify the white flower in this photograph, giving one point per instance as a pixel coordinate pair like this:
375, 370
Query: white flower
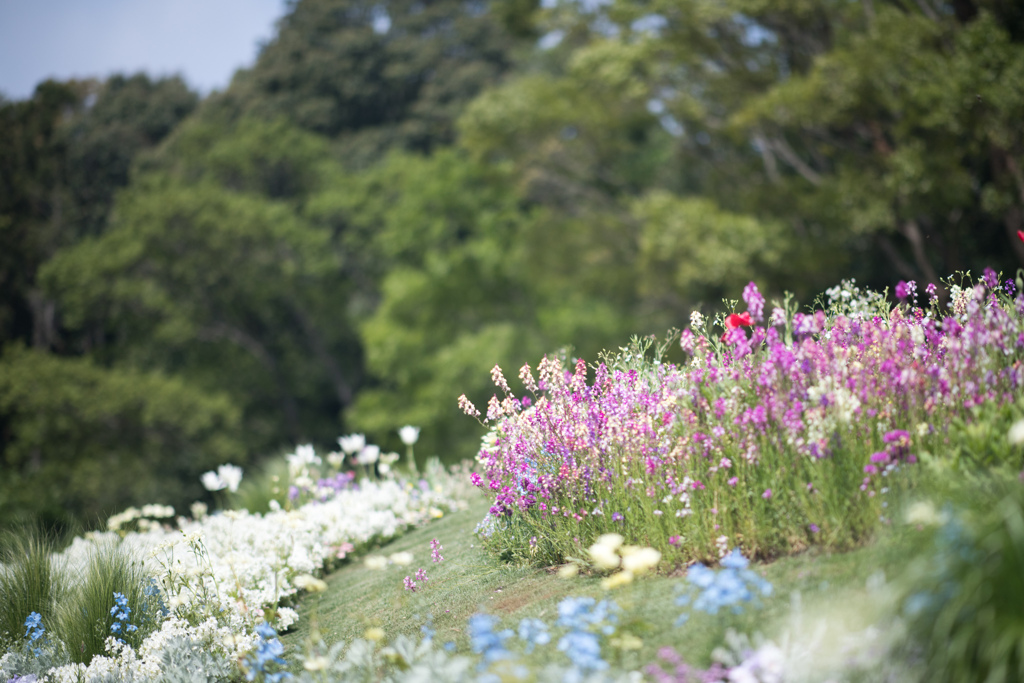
389, 458
335, 459
409, 434
302, 458
318, 663
402, 559
603, 556
230, 476
368, 455
375, 562
1016, 435
923, 513
353, 443
211, 482
199, 509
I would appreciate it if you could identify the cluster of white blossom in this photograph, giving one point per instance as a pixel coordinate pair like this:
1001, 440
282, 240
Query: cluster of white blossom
229, 571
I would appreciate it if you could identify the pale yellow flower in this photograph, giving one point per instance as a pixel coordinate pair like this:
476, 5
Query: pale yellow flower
310, 583
641, 560
402, 559
568, 571
617, 579
375, 562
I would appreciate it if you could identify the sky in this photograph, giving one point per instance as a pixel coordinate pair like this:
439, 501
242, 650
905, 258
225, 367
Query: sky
205, 41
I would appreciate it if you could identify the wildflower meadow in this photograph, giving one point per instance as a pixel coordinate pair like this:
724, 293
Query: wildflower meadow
631, 517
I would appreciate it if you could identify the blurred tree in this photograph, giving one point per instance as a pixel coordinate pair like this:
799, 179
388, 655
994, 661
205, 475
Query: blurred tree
81, 441
229, 289
381, 74
63, 154
471, 276
883, 135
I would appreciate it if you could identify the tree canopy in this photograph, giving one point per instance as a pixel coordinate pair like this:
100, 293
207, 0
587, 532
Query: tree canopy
401, 194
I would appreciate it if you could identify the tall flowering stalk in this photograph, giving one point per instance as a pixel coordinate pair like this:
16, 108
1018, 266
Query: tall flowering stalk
774, 436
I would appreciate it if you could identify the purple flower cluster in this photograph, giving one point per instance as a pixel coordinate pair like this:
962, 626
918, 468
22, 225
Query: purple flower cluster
814, 388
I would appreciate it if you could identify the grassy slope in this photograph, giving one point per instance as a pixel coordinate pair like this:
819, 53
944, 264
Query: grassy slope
470, 581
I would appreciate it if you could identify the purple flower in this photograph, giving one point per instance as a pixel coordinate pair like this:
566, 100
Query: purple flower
617, 517
733, 481
767, 494
990, 278
902, 292
435, 550
755, 302
409, 584
421, 575
814, 528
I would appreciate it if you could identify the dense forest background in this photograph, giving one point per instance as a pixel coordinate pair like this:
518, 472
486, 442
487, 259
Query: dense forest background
402, 193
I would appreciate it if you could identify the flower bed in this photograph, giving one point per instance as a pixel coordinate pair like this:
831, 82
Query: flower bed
780, 433
217, 579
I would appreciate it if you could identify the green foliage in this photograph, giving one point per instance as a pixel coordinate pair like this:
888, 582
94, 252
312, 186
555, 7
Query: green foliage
83, 441
468, 278
232, 291
961, 599
378, 75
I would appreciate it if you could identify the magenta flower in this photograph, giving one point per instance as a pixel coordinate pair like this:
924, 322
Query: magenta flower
767, 494
435, 550
733, 481
410, 585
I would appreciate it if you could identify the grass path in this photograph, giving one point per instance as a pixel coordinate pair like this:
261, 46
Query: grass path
845, 587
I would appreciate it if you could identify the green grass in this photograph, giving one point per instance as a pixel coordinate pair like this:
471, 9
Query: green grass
470, 581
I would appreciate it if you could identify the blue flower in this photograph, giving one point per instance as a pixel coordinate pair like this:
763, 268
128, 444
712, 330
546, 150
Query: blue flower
730, 586
34, 621
583, 649
580, 614
735, 560
484, 641
534, 632
268, 651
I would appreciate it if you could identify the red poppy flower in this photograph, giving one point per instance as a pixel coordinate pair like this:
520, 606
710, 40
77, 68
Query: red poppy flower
738, 320
1020, 234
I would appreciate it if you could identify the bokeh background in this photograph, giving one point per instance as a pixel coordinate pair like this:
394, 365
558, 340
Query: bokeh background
228, 228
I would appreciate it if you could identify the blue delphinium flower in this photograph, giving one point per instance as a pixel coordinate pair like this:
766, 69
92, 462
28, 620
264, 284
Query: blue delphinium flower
534, 632
122, 615
268, 651
428, 629
731, 586
485, 641
35, 632
580, 614
584, 650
